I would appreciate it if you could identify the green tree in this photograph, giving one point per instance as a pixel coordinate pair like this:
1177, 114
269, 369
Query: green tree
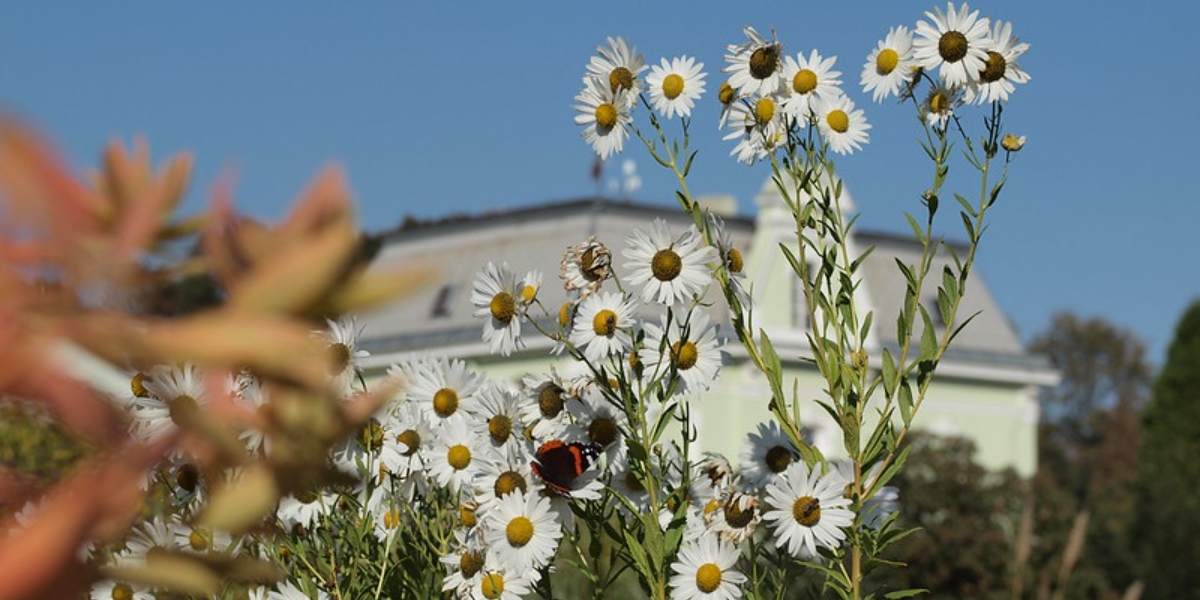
1168, 527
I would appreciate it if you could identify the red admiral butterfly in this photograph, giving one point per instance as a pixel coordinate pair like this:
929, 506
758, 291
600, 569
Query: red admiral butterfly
558, 463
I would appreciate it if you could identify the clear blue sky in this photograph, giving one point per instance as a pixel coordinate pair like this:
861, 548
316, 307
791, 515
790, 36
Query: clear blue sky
440, 107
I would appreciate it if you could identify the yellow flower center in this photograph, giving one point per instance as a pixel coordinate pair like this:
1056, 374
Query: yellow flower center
672, 86
550, 400
519, 531
605, 323
564, 314
470, 563
445, 402
939, 102
733, 260
199, 540
764, 109
726, 94
763, 61
411, 439
503, 307
606, 115
528, 294
993, 69
492, 585
500, 427
181, 408
137, 385
459, 456
778, 458
509, 481
952, 46
603, 431
391, 519
708, 577
886, 61
122, 591
666, 265
807, 511
466, 515
684, 355
838, 120
712, 506
339, 358
1012, 143
620, 79
804, 81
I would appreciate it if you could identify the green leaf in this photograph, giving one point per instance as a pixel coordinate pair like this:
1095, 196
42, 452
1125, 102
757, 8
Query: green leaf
969, 226
905, 593
929, 342
889, 373
905, 401
917, 231
638, 554
866, 326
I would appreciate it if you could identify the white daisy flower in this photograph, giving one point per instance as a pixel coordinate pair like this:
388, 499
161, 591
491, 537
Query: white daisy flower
345, 358
501, 478
670, 270
955, 44
464, 562
706, 569
889, 66
544, 405
168, 388
809, 80
522, 531
498, 300
755, 67
157, 534
1001, 71
502, 584
597, 421
457, 456
758, 128
617, 68
688, 347
731, 259
809, 510
407, 432
443, 389
604, 326
110, 589
605, 118
498, 418
676, 86
203, 539
585, 266
843, 126
765, 455
304, 510
290, 591
529, 286
938, 107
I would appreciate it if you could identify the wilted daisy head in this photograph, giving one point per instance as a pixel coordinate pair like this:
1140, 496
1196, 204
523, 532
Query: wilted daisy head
585, 266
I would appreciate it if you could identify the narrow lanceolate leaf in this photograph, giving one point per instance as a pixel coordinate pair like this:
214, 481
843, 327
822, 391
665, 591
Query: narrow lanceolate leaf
295, 280
929, 343
889, 374
905, 593
904, 400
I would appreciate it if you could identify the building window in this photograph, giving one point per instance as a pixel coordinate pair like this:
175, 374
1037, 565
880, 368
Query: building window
444, 301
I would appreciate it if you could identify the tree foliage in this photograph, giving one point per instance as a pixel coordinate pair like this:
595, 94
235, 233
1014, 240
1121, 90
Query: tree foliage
1168, 507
